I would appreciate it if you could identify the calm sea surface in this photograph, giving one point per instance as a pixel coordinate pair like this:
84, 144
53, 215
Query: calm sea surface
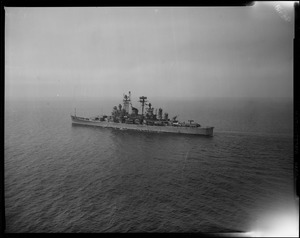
64, 178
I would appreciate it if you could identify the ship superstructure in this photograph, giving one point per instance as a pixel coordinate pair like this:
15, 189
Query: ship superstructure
127, 117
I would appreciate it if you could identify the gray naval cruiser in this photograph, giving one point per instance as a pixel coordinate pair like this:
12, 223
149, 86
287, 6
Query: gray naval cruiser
127, 117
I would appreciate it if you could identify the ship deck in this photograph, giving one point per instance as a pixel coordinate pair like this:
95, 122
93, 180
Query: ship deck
207, 131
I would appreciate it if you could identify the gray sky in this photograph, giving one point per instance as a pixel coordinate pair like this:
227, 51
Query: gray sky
172, 52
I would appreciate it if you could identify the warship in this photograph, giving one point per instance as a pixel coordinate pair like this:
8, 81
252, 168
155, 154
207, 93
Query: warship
127, 117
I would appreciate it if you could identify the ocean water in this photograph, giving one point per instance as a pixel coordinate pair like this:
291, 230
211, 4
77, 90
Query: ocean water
65, 178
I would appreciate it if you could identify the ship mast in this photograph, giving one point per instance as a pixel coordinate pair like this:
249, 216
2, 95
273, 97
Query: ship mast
143, 101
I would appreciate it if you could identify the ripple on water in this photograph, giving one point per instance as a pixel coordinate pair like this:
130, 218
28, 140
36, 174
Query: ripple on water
63, 178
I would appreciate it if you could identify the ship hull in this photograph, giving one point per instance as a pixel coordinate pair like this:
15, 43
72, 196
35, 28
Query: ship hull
205, 131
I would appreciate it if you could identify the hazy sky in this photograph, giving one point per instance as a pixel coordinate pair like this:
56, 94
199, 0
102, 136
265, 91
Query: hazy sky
152, 51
